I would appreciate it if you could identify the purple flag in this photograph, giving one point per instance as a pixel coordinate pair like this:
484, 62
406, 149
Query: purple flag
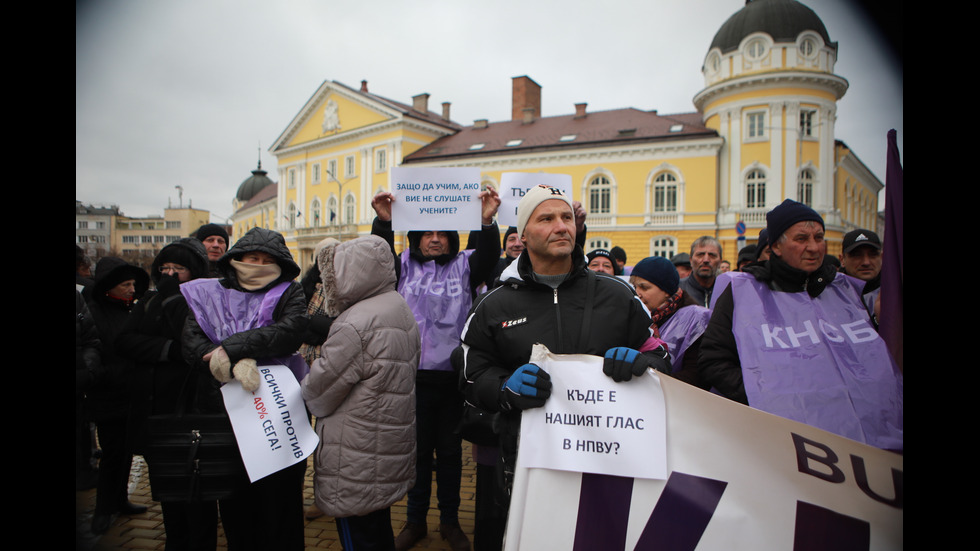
892, 318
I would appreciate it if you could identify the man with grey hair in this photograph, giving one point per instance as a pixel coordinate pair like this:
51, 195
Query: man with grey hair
705, 262
790, 336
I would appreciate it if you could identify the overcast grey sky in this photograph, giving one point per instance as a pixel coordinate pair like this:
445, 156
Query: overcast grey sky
184, 92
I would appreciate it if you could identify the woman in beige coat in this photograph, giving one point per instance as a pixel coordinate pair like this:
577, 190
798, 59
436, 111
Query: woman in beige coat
362, 391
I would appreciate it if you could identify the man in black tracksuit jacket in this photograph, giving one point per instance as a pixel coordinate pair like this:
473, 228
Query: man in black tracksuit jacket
543, 299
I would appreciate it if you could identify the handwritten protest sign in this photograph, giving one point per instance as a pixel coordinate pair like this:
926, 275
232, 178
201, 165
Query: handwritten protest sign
270, 424
513, 186
593, 424
435, 199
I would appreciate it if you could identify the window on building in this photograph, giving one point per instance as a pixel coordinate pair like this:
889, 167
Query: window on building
332, 211
82, 224
349, 208
315, 173
100, 225
599, 243
331, 169
292, 178
315, 212
755, 189
600, 196
349, 165
805, 190
146, 239
159, 239
756, 122
381, 160
291, 216
663, 246
96, 238
81, 239
756, 48
665, 193
129, 239
807, 119
173, 224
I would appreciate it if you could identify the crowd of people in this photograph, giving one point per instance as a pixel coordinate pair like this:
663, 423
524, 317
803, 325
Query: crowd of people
402, 356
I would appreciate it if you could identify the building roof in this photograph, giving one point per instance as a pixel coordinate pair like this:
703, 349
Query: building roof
601, 128
405, 109
783, 20
253, 184
262, 195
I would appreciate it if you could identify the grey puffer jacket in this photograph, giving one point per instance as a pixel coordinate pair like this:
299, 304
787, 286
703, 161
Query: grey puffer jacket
362, 388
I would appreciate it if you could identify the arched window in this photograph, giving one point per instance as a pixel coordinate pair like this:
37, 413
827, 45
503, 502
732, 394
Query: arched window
665, 193
600, 196
804, 192
663, 246
598, 243
349, 208
755, 189
332, 210
315, 212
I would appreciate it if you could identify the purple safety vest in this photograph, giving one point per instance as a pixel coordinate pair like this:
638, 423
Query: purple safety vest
439, 296
682, 329
223, 312
818, 360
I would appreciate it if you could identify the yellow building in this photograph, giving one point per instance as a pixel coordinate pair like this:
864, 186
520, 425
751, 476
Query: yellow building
651, 183
138, 240
334, 156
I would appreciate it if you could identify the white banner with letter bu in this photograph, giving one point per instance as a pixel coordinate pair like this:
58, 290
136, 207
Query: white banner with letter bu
271, 425
737, 479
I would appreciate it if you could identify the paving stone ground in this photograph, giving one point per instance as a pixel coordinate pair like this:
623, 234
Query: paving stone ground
146, 531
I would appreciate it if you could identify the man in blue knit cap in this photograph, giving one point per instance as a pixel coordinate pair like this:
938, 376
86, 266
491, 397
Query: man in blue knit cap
791, 336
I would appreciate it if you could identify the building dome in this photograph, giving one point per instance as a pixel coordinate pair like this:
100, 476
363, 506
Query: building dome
783, 20
253, 184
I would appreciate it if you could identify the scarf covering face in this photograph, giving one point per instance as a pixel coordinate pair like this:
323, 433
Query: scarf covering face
253, 277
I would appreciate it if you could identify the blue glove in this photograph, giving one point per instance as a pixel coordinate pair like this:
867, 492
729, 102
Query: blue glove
527, 388
622, 363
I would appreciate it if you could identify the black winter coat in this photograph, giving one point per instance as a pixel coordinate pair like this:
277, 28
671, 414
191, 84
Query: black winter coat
506, 322
281, 338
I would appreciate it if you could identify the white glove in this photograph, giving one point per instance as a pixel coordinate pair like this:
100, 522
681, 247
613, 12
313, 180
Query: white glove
220, 365
247, 373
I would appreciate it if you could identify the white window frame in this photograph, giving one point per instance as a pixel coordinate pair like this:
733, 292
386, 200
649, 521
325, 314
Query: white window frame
663, 184
350, 167
755, 125
755, 188
381, 160
332, 169
315, 170
663, 245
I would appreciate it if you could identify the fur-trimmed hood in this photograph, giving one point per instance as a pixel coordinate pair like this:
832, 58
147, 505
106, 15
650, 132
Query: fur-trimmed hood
355, 270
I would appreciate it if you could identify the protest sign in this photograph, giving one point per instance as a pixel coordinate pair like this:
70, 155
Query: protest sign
435, 199
513, 186
593, 424
270, 424
738, 479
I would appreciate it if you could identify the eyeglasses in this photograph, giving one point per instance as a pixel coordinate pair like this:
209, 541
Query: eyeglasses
172, 268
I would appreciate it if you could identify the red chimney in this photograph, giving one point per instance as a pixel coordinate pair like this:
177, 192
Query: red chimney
526, 95
364, 86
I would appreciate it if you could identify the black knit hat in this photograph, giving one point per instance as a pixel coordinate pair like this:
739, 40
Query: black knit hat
510, 230
789, 212
600, 252
659, 271
207, 230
